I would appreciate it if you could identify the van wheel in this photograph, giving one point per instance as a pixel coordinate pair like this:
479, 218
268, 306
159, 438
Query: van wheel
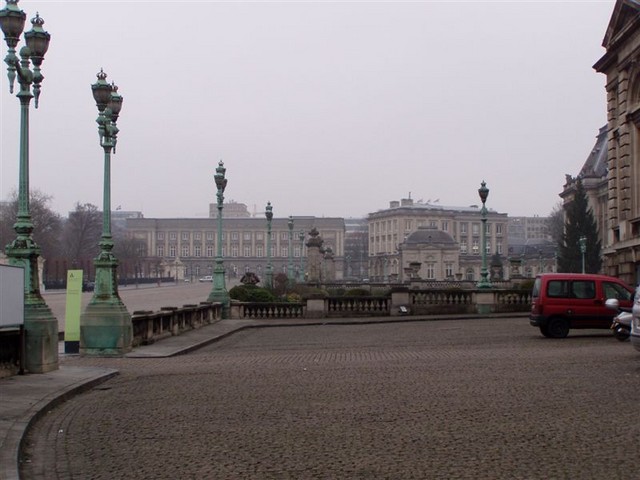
558, 327
544, 330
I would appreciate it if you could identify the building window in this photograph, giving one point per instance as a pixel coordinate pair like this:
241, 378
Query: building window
224, 250
160, 236
445, 226
273, 250
209, 251
499, 247
463, 246
234, 235
448, 270
246, 236
284, 236
172, 235
259, 251
234, 250
463, 227
247, 250
185, 250
160, 251
488, 249
185, 236
475, 249
498, 229
209, 235
433, 224
197, 235
296, 251
284, 251
475, 229
197, 251
172, 251
487, 228
259, 236
431, 271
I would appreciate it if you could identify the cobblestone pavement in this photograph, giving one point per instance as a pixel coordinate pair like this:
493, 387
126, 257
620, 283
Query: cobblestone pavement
421, 400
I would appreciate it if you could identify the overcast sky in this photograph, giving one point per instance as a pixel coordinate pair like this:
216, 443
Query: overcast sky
322, 108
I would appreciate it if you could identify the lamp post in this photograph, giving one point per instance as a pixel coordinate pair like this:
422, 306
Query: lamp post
40, 325
301, 273
219, 291
290, 272
105, 325
484, 282
582, 241
269, 270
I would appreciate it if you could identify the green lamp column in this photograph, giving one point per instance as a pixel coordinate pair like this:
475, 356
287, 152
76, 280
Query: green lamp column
582, 242
268, 273
290, 272
41, 327
219, 292
301, 272
484, 282
105, 325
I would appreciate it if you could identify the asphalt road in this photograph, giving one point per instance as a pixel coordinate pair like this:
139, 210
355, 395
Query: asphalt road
481, 399
145, 297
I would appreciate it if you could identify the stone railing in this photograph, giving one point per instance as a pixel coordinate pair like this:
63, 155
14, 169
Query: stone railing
267, 310
149, 327
357, 306
512, 300
441, 301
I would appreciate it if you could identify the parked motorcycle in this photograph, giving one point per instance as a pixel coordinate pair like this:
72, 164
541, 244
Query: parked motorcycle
621, 324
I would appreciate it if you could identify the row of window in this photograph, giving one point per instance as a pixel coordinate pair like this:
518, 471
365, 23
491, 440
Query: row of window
209, 251
391, 226
246, 236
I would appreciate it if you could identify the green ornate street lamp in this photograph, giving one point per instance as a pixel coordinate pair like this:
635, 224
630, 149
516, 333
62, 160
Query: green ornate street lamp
290, 273
582, 241
219, 292
41, 327
484, 282
105, 325
268, 273
301, 272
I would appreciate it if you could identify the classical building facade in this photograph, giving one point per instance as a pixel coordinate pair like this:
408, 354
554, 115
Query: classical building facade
390, 235
185, 249
621, 65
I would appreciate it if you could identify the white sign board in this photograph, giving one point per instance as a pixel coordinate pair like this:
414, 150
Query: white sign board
11, 296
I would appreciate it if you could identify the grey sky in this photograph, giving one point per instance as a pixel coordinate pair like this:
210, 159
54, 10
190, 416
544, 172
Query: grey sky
324, 108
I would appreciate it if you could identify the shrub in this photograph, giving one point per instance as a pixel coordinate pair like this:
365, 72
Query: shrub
250, 293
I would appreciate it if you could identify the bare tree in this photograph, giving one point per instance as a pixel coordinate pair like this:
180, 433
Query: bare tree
81, 233
555, 223
47, 224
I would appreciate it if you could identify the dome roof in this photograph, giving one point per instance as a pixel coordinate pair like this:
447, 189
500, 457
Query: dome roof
426, 235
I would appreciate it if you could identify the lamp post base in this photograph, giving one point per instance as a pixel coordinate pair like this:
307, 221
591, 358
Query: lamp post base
105, 330
41, 327
219, 292
41, 338
105, 325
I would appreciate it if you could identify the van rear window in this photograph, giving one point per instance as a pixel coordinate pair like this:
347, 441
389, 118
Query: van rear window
571, 289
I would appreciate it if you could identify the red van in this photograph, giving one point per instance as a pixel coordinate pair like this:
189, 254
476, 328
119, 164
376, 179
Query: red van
562, 301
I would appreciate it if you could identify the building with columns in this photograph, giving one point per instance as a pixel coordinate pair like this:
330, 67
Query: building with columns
440, 231
185, 248
621, 65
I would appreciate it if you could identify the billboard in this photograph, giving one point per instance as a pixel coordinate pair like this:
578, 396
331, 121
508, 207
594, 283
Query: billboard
11, 296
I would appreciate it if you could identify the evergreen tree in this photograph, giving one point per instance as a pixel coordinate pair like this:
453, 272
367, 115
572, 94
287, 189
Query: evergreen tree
580, 222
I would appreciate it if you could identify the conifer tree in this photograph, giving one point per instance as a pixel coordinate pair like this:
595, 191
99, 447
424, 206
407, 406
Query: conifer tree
579, 222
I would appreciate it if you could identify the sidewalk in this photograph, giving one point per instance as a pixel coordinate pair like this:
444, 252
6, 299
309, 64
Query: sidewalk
23, 398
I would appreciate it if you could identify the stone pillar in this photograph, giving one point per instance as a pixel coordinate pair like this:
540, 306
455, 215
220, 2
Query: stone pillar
314, 257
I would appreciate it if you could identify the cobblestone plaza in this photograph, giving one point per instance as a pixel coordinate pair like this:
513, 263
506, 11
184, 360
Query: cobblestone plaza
483, 398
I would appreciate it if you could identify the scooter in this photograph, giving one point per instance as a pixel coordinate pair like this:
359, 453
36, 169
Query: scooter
621, 324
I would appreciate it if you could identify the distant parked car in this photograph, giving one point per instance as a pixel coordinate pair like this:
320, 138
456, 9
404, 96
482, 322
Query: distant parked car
206, 278
88, 286
635, 321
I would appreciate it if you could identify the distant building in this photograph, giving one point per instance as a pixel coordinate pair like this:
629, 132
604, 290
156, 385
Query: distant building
392, 247
186, 247
229, 210
356, 249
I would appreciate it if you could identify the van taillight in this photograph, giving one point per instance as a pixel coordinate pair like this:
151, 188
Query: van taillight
536, 309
